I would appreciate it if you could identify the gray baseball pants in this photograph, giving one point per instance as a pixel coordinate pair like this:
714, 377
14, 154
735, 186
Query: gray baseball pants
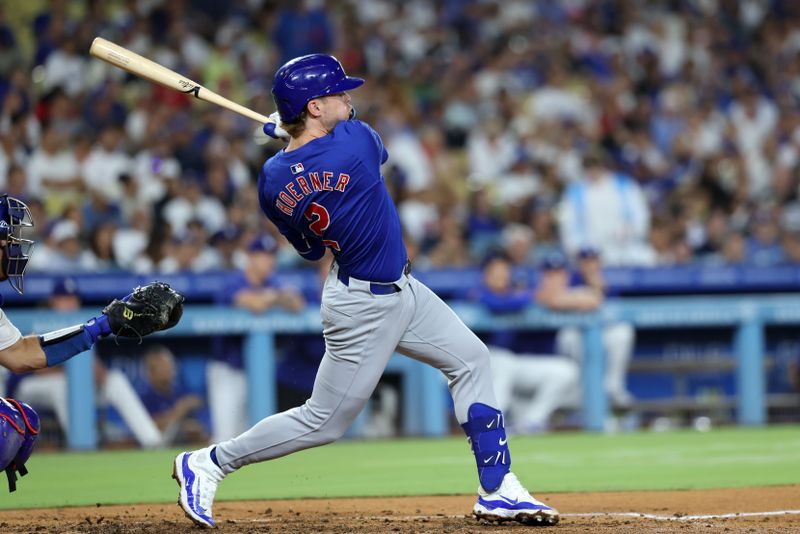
362, 331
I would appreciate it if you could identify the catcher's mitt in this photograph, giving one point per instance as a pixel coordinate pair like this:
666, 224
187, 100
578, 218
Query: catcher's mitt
147, 309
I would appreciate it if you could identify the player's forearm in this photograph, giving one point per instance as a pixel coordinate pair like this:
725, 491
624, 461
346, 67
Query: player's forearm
308, 247
171, 418
24, 356
572, 301
314, 253
291, 301
255, 301
61, 345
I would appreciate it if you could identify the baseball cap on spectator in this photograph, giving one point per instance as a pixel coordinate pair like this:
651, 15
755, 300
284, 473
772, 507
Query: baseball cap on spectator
553, 262
585, 253
65, 287
229, 232
64, 230
263, 243
495, 254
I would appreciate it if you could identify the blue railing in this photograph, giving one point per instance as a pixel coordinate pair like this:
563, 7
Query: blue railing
630, 281
426, 406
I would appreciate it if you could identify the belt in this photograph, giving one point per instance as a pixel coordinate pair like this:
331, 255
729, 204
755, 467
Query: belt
374, 287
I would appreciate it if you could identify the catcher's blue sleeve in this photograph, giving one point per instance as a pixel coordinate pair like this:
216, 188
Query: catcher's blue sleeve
61, 345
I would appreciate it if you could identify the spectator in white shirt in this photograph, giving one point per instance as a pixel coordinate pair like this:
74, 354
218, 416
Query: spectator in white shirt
192, 204
67, 68
67, 254
53, 173
106, 163
608, 212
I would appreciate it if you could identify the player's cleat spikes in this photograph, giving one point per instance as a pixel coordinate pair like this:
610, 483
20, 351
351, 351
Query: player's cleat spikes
198, 476
512, 502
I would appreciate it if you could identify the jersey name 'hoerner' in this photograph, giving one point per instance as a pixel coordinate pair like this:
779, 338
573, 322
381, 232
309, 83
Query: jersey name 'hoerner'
288, 199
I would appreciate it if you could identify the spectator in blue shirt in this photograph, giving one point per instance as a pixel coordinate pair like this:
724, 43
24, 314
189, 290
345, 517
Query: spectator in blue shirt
172, 408
764, 247
585, 293
254, 289
529, 387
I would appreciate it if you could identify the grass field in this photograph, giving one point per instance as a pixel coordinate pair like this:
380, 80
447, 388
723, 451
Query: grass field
730, 457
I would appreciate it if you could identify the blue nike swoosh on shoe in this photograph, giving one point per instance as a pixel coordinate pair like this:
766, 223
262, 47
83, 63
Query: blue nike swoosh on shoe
492, 505
188, 476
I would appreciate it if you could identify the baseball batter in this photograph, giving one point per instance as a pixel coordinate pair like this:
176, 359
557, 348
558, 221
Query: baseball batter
325, 190
146, 310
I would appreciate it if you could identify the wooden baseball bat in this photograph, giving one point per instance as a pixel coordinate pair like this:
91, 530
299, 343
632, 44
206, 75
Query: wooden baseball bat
150, 70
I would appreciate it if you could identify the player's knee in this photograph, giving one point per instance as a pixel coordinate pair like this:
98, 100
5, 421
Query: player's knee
567, 373
114, 378
569, 343
330, 425
620, 334
482, 355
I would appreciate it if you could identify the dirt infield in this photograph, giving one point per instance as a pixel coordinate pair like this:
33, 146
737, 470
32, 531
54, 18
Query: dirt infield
664, 512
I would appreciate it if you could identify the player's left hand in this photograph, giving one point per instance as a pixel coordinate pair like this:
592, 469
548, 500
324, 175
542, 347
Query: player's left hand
150, 308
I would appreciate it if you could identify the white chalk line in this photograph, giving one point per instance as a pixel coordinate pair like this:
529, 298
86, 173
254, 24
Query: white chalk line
684, 517
635, 515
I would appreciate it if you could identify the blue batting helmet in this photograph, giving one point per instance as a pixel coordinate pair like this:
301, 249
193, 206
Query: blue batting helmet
305, 78
14, 215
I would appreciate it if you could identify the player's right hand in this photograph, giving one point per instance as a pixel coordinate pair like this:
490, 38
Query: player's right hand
273, 128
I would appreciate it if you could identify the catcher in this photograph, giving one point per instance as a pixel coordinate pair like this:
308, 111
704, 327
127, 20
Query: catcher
147, 309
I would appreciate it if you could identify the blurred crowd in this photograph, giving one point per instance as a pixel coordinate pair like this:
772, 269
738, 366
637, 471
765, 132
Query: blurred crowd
657, 133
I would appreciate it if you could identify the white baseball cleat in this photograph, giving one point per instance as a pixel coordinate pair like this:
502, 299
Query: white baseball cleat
512, 502
198, 476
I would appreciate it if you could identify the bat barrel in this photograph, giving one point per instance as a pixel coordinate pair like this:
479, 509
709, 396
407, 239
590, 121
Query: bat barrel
150, 70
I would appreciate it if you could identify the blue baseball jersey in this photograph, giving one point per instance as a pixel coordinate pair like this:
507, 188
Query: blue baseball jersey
514, 300
228, 349
330, 193
156, 402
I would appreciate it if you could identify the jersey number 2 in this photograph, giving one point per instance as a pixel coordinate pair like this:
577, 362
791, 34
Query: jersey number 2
320, 220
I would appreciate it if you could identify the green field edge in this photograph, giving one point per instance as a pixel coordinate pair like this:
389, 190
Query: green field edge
574, 463
376, 497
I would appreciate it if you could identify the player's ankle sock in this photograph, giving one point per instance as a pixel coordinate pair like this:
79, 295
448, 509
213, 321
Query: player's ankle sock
214, 457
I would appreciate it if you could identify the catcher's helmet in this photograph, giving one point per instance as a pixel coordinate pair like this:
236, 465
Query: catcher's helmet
307, 77
14, 215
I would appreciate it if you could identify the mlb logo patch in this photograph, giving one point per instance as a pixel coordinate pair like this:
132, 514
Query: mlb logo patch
296, 168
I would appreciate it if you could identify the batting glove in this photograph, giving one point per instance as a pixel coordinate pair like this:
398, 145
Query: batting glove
273, 128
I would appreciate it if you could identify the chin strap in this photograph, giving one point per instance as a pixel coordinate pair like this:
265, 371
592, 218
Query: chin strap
487, 437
